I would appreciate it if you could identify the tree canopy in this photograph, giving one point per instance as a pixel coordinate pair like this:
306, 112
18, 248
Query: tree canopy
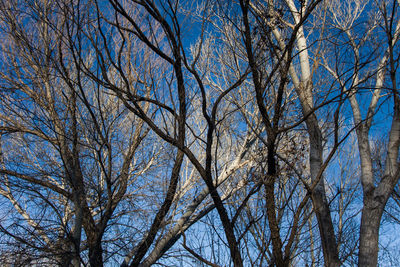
204, 133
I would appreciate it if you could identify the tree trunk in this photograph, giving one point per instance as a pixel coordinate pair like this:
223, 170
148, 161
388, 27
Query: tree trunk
369, 234
269, 184
320, 203
328, 240
96, 255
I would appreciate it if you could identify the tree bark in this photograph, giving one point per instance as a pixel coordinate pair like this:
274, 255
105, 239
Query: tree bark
96, 255
271, 209
320, 203
369, 233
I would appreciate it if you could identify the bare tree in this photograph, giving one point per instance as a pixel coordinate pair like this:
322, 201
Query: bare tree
162, 38
370, 70
287, 42
127, 127
66, 147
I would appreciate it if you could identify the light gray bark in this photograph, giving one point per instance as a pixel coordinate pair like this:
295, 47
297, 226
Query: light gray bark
369, 233
376, 192
376, 197
303, 84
